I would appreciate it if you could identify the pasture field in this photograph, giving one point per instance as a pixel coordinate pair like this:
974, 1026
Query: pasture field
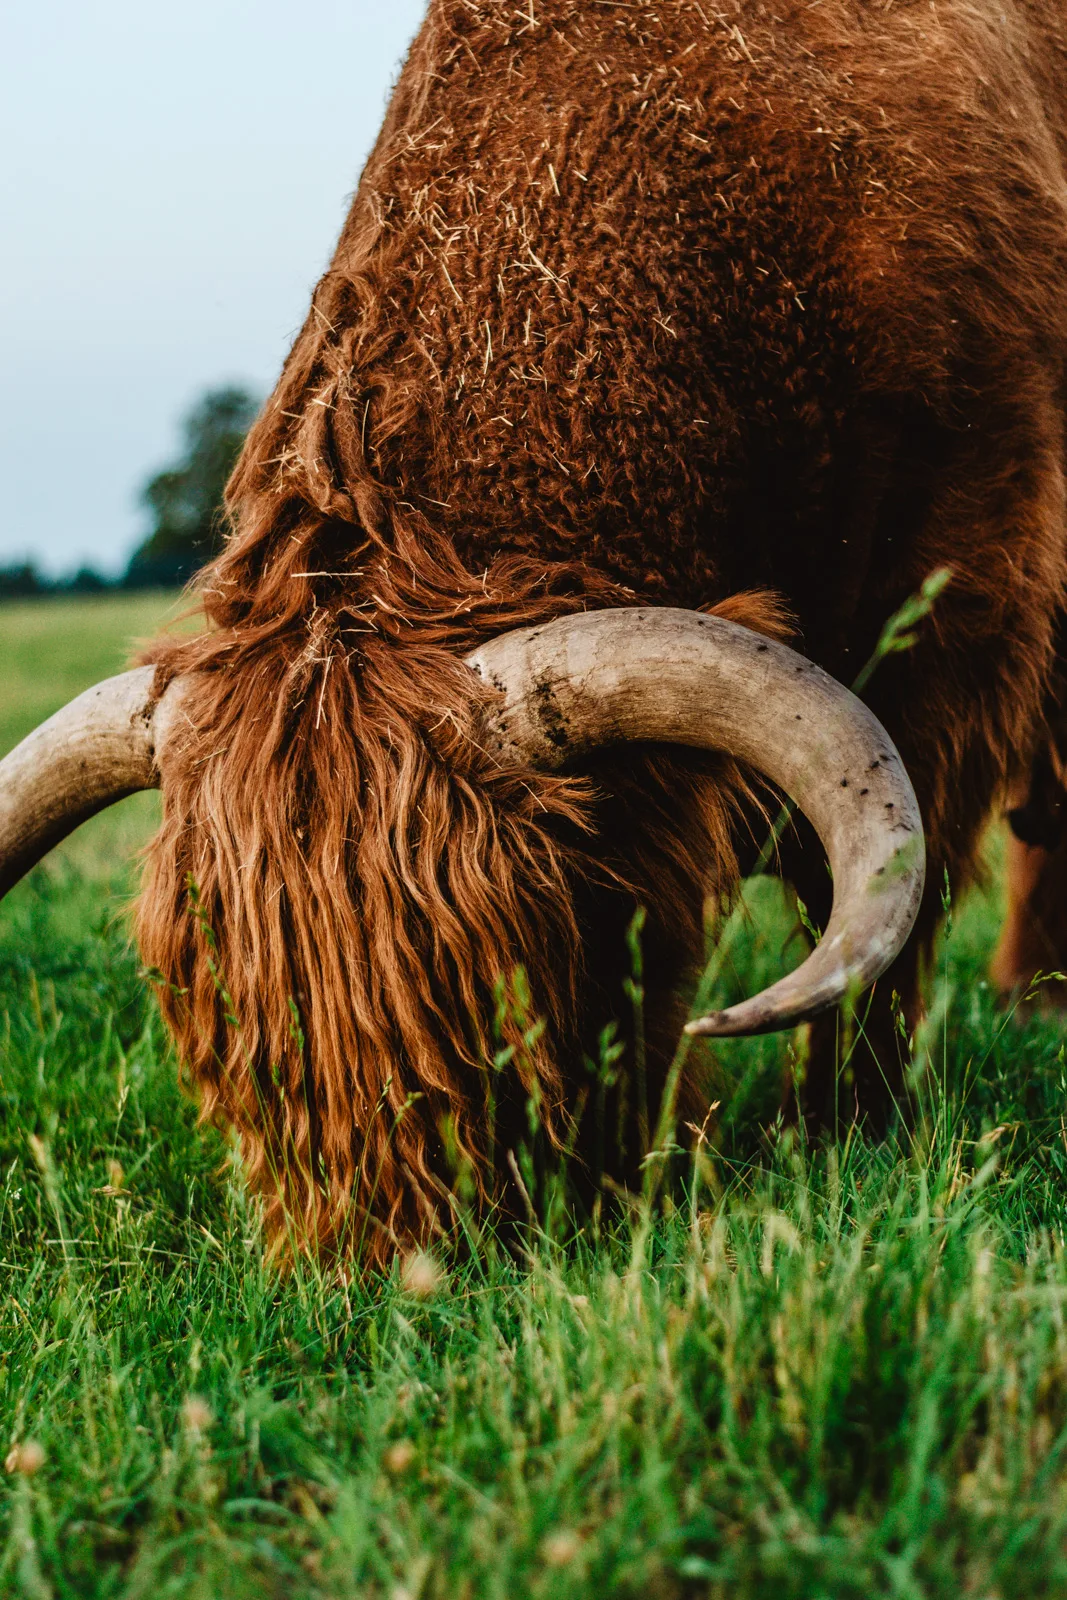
821, 1371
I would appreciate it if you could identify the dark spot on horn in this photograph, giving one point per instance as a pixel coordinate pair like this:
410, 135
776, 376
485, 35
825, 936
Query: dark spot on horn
864, 791
549, 714
761, 649
844, 783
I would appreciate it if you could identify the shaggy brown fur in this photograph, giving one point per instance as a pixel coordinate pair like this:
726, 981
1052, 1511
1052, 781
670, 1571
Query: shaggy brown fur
656, 302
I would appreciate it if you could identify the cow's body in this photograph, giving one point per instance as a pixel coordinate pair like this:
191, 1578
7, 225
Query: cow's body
636, 302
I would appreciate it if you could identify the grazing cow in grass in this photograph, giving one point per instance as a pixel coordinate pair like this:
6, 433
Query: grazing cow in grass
657, 333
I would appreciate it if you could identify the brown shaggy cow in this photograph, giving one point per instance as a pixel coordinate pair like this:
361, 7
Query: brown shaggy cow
732, 306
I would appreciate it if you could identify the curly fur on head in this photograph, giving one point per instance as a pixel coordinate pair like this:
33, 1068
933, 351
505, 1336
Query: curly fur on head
344, 877
633, 304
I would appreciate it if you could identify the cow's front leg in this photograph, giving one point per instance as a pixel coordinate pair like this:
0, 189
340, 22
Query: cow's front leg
1029, 940
1033, 939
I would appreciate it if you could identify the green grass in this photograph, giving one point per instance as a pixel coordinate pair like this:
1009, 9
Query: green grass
50, 650
823, 1372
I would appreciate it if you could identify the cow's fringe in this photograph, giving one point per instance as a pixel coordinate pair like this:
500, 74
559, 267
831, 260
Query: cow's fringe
344, 876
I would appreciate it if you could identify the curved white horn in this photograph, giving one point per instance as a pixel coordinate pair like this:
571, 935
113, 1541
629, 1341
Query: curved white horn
608, 677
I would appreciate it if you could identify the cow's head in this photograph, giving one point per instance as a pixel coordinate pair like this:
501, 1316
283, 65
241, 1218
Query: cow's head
563, 690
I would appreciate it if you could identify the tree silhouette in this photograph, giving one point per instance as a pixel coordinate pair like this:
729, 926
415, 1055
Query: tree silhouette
185, 500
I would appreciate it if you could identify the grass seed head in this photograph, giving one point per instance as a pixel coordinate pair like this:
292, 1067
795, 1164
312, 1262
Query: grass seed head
25, 1459
559, 1549
421, 1275
197, 1414
399, 1456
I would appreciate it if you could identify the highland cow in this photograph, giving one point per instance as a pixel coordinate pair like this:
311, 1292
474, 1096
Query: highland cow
640, 309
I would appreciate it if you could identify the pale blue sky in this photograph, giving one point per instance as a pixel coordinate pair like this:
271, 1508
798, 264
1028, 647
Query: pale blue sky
172, 181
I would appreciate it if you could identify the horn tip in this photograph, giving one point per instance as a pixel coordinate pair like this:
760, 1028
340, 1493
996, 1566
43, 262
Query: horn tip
707, 1025
756, 1015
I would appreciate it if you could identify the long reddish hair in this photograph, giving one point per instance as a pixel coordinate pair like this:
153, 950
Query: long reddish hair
344, 880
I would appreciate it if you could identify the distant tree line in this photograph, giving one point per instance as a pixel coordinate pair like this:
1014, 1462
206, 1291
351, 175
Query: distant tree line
184, 503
